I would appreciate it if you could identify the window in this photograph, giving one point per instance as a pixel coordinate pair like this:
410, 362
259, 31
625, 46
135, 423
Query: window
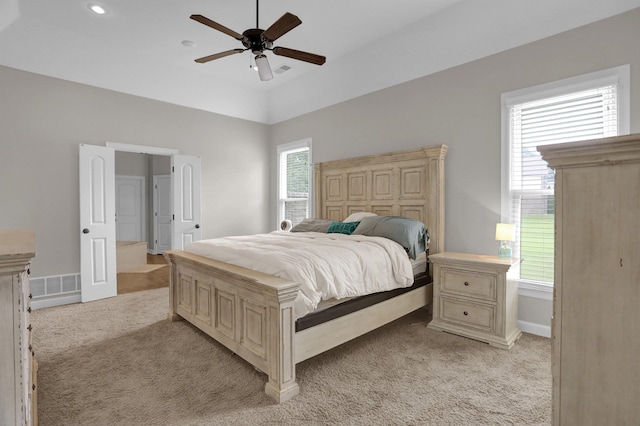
586, 107
294, 181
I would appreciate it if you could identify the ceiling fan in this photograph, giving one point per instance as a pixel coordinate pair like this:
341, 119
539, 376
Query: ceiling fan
258, 40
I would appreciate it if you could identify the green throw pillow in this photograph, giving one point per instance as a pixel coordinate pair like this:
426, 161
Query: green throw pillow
342, 227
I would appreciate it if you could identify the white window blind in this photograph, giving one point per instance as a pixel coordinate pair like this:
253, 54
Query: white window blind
294, 183
587, 114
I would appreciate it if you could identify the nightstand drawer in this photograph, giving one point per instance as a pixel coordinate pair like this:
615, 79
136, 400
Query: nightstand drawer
472, 284
469, 314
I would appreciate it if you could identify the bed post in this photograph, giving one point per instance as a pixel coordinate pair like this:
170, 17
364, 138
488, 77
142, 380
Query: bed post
435, 218
173, 314
282, 384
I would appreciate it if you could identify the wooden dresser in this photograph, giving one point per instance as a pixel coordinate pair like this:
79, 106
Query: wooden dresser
596, 310
18, 367
473, 297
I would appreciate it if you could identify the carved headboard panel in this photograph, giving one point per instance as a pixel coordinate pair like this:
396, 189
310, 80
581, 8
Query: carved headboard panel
405, 183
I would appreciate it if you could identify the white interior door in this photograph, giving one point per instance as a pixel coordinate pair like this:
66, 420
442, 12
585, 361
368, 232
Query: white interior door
97, 222
185, 192
130, 208
162, 212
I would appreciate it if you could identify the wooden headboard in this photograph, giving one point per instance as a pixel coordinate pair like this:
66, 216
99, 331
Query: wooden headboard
404, 183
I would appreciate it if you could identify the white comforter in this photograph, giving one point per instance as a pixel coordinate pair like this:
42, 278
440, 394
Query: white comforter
326, 265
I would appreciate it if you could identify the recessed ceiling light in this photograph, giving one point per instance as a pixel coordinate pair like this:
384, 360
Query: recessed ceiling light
95, 8
188, 43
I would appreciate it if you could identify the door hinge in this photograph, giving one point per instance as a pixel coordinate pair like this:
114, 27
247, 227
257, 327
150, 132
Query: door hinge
173, 169
173, 217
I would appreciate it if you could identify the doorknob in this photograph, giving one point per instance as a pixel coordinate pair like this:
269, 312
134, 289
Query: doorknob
85, 231
197, 226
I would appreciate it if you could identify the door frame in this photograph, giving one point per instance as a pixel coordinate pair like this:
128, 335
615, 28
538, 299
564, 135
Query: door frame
142, 149
156, 232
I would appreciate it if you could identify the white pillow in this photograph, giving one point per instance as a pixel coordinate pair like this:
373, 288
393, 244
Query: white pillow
357, 216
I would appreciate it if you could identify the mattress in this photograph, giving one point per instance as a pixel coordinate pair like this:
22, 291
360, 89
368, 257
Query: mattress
355, 304
418, 265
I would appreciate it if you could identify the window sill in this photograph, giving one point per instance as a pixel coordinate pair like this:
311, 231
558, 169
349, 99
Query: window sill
535, 290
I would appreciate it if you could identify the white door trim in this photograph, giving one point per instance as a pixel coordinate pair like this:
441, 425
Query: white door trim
158, 247
142, 149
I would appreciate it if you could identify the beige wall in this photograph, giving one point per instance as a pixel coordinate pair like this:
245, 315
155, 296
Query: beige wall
131, 164
42, 122
460, 107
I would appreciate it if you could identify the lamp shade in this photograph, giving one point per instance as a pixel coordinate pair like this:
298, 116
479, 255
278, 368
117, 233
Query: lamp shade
264, 70
505, 232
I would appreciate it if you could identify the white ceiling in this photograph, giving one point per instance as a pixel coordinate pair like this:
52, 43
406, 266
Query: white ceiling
137, 46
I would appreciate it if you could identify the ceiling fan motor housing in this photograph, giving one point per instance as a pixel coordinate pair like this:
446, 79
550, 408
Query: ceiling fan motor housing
252, 39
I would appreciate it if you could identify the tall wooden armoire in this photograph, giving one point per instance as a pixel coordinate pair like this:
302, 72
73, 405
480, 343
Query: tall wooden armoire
596, 323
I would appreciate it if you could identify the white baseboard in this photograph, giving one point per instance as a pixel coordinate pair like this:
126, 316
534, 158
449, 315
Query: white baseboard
56, 300
533, 328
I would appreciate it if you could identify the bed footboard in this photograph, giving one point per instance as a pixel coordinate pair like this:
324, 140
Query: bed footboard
250, 313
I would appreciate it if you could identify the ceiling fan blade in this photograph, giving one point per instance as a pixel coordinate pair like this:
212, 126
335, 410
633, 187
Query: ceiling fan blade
286, 23
299, 55
218, 55
209, 23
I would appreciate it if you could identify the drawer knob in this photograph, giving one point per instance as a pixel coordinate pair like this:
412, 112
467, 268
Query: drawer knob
466, 313
466, 283
29, 309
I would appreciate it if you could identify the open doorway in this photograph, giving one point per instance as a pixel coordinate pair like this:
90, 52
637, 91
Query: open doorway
143, 192
98, 217
143, 225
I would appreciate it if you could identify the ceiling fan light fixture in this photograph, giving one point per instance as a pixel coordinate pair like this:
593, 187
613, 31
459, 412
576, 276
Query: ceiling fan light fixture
264, 70
252, 65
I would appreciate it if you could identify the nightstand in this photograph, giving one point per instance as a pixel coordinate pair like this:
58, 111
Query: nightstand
474, 297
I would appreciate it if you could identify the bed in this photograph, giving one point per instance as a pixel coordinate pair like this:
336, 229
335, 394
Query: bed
253, 313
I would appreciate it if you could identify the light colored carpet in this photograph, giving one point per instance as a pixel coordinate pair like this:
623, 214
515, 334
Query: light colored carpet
119, 361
